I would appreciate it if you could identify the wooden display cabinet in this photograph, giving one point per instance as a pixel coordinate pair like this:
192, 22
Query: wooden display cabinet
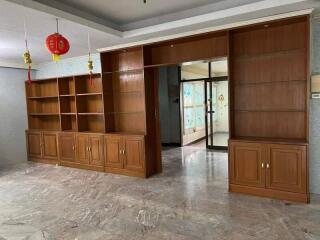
268, 154
268, 112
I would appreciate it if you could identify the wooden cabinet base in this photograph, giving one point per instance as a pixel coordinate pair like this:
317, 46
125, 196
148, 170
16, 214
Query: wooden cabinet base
82, 166
46, 161
125, 172
269, 193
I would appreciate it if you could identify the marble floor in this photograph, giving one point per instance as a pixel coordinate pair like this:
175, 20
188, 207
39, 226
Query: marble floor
219, 139
189, 200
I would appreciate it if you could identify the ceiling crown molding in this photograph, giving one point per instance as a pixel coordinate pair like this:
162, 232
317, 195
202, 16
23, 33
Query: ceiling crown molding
210, 29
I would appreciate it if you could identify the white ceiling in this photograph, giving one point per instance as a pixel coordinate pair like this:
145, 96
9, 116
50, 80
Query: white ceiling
126, 11
115, 23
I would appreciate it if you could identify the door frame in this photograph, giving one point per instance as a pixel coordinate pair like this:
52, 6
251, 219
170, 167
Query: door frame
210, 81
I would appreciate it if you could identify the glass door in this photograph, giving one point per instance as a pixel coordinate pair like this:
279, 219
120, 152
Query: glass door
217, 106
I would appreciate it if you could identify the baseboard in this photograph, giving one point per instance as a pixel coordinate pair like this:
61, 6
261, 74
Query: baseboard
171, 144
45, 161
125, 172
82, 166
270, 193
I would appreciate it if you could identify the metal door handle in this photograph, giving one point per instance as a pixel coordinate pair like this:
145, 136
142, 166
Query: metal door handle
268, 165
262, 165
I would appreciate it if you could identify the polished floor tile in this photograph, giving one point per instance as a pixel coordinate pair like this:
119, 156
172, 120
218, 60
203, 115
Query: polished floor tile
189, 200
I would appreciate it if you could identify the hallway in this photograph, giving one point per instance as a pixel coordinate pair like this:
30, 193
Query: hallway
189, 200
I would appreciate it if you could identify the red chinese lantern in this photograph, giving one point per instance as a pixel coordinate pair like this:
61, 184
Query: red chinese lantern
57, 45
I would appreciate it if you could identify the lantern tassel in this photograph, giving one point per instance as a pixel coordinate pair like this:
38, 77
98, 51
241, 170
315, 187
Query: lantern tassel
91, 79
29, 75
55, 57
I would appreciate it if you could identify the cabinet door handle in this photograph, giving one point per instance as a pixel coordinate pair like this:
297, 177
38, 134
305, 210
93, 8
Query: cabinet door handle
268, 165
87, 149
120, 152
73, 148
262, 165
124, 152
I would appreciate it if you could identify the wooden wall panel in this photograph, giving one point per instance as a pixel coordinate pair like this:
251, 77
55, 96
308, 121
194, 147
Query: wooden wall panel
289, 66
269, 39
192, 49
276, 125
128, 82
133, 102
269, 77
128, 59
281, 96
130, 123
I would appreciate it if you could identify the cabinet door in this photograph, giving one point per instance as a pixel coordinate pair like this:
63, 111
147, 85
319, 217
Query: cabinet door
82, 149
96, 150
34, 144
134, 153
247, 164
49, 146
287, 168
66, 147
112, 148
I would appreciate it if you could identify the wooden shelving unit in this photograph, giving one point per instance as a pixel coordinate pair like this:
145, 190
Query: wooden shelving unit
64, 104
270, 82
125, 91
269, 110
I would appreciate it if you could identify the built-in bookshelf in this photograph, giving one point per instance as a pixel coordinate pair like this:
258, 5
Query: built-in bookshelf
123, 74
72, 103
269, 82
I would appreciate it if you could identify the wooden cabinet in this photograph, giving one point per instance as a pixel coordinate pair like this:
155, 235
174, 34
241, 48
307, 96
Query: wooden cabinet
96, 150
125, 154
42, 145
266, 169
113, 152
34, 144
49, 145
67, 147
89, 149
82, 149
247, 165
287, 168
133, 153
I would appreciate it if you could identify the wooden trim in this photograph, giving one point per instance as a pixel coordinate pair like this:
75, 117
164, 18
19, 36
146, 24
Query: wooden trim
269, 193
125, 172
45, 161
82, 166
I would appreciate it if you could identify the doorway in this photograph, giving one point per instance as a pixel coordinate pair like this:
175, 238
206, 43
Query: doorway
205, 103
